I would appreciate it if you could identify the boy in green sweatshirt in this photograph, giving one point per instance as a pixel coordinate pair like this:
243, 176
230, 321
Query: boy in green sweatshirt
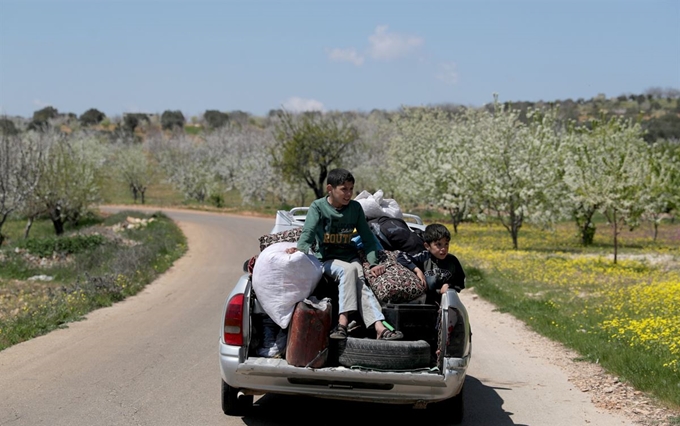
330, 222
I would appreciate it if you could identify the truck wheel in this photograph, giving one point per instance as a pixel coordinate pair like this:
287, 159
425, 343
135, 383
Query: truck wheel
232, 403
384, 354
449, 411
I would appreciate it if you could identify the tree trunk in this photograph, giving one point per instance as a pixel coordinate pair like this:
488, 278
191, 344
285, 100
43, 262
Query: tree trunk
2, 222
656, 230
455, 218
142, 193
318, 192
515, 224
134, 192
616, 241
29, 224
57, 220
587, 234
586, 227
58, 226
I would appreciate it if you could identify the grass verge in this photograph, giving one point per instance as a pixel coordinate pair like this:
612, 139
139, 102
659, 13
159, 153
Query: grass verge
624, 316
46, 282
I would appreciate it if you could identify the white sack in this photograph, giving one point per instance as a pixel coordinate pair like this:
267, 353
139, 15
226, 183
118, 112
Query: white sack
391, 208
375, 205
280, 280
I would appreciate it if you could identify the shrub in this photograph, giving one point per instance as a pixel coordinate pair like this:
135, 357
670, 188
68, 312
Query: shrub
172, 120
92, 116
217, 200
7, 127
44, 247
215, 119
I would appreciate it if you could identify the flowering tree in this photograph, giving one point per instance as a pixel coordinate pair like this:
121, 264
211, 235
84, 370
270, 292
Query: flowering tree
606, 165
662, 183
132, 164
584, 180
627, 167
430, 157
243, 160
369, 166
69, 179
515, 174
189, 166
20, 157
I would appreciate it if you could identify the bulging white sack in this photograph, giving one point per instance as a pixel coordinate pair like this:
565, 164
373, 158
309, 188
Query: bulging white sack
280, 280
374, 205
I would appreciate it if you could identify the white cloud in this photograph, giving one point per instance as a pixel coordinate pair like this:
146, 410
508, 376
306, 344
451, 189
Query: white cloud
386, 45
346, 55
448, 73
296, 104
383, 45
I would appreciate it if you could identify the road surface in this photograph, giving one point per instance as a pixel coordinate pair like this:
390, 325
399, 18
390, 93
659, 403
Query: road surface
152, 359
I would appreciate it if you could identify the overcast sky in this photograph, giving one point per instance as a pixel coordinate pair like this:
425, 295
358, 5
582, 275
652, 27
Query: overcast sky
151, 56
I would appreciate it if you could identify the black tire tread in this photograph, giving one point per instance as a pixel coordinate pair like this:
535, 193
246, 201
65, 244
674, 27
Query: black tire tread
232, 403
450, 411
384, 354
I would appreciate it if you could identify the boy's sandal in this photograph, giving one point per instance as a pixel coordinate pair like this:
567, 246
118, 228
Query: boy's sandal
353, 325
388, 334
339, 332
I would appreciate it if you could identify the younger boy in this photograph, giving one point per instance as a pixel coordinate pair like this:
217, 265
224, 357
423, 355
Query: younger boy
330, 222
436, 267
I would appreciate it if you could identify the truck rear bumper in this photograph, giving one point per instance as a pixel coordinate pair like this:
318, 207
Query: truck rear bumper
272, 375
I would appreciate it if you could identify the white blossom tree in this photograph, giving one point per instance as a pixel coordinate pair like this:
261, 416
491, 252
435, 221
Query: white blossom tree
189, 166
605, 167
430, 159
244, 160
515, 173
369, 165
20, 157
69, 178
628, 167
584, 180
131, 163
662, 183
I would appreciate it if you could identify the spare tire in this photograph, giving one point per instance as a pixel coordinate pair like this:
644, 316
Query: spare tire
384, 354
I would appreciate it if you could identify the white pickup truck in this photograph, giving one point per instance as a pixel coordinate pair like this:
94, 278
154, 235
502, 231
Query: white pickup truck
437, 386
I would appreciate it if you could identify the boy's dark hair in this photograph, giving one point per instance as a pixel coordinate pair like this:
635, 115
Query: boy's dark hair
338, 177
435, 232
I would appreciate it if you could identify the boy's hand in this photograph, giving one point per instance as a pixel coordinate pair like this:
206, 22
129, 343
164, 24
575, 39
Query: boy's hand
377, 270
421, 276
444, 289
291, 250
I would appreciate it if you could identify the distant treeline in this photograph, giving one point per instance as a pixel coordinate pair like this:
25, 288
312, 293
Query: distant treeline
657, 110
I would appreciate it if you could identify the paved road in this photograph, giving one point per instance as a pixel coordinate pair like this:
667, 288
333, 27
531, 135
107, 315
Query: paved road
152, 359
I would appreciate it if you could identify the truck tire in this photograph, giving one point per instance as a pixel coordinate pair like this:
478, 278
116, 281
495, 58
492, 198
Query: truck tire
449, 411
384, 354
232, 403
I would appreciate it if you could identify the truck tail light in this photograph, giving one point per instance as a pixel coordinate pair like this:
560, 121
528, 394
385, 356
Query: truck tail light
233, 321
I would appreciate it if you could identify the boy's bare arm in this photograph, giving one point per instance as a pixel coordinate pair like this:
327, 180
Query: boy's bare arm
421, 275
